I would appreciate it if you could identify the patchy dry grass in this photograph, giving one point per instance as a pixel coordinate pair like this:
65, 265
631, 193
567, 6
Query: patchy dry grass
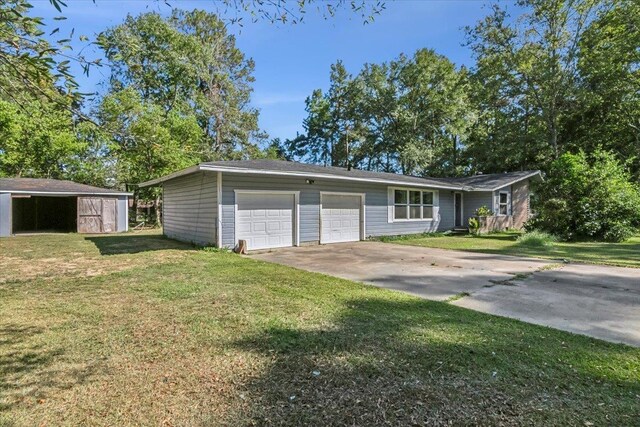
170, 335
625, 254
92, 255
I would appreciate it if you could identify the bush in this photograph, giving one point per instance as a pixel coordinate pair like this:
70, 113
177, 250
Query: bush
483, 211
536, 239
474, 225
588, 198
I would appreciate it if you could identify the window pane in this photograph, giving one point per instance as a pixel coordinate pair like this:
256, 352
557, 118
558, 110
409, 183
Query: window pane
427, 212
400, 212
503, 209
414, 211
427, 198
414, 197
400, 197
503, 197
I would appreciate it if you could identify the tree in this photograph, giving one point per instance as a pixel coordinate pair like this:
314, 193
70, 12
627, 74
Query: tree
37, 139
410, 115
27, 56
609, 100
437, 113
145, 140
188, 63
588, 197
31, 65
527, 72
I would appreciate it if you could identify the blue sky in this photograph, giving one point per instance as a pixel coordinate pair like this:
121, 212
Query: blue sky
293, 60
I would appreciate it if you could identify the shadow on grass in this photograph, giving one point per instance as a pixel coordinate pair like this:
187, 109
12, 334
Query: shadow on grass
426, 363
30, 371
131, 243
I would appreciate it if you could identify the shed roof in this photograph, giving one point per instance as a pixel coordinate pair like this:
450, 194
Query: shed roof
287, 168
38, 186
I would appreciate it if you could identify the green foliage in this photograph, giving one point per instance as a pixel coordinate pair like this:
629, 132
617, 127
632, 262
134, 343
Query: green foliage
483, 211
588, 197
608, 112
189, 64
526, 81
474, 225
37, 139
147, 141
409, 115
536, 239
27, 64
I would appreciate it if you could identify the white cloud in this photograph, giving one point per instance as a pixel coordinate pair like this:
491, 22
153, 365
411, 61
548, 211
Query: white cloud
268, 99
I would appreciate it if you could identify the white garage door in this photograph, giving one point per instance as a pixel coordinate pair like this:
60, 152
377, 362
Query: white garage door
340, 218
265, 220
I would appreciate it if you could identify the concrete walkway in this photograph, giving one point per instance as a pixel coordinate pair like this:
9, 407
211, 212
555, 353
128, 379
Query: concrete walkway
599, 301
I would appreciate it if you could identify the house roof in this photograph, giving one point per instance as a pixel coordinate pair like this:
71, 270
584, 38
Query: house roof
287, 168
56, 187
493, 181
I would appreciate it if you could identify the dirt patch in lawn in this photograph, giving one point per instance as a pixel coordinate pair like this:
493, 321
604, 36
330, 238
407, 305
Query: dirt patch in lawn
17, 269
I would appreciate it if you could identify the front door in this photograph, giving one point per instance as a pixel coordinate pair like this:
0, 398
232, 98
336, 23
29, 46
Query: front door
457, 209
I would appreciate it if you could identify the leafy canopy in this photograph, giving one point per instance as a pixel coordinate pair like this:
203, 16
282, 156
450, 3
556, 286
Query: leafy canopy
409, 115
187, 63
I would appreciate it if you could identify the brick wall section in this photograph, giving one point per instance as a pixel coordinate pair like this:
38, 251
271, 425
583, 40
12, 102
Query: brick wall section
520, 203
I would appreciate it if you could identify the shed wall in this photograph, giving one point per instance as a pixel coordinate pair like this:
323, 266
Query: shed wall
5, 214
123, 213
190, 208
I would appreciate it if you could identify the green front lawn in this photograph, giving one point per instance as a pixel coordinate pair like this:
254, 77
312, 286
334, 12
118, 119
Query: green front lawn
626, 254
140, 330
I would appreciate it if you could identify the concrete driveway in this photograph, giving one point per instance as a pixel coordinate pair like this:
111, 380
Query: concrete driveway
599, 301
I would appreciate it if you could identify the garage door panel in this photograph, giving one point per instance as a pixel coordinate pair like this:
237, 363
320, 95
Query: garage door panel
265, 220
340, 218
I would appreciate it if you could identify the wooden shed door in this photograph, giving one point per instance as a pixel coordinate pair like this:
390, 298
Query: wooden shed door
109, 215
96, 215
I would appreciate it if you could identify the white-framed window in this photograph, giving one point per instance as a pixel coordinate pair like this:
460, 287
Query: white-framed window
413, 205
503, 204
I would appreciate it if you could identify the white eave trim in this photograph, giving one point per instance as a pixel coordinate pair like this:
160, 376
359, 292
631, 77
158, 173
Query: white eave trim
63, 193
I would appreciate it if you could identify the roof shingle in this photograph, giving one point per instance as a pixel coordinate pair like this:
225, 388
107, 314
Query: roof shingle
474, 183
38, 185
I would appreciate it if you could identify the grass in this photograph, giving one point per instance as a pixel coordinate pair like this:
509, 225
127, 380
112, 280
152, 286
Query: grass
626, 254
536, 239
140, 330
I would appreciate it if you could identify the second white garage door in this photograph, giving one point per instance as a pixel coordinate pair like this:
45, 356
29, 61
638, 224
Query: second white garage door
265, 220
340, 218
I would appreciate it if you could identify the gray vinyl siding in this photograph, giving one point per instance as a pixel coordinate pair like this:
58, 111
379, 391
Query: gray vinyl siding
474, 200
190, 208
5, 215
376, 205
